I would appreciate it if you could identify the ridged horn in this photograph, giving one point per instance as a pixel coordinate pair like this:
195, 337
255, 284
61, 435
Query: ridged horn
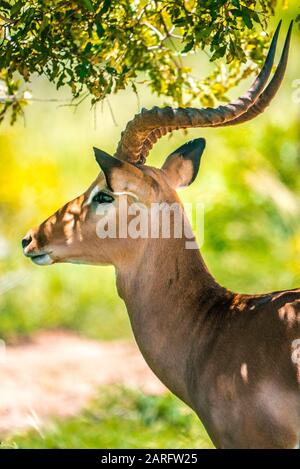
270, 91
149, 125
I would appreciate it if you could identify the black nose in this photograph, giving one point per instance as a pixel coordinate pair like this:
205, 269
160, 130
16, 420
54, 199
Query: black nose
25, 241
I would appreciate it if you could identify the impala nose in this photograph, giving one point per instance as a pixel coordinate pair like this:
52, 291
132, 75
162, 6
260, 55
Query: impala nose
26, 241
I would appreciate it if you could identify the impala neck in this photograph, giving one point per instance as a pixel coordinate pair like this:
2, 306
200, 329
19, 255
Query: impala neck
168, 292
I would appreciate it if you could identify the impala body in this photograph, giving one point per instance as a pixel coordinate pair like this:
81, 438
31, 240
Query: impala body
230, 357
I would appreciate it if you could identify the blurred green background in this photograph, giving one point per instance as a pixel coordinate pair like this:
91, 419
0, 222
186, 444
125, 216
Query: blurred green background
249, 183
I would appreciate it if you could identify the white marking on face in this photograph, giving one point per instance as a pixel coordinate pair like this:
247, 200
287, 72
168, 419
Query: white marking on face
93, 192
127, 193
97, 189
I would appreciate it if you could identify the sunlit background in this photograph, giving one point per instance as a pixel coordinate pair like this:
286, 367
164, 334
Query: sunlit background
249, 183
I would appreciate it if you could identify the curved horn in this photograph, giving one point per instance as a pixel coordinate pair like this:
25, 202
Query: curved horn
148, 126
270, 91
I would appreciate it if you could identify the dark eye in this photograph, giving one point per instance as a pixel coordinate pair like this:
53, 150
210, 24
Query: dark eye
102, 198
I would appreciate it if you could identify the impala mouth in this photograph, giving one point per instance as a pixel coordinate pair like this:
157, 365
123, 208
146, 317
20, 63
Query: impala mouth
41, 259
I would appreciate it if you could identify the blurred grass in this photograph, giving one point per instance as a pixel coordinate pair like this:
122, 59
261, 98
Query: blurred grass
121, 418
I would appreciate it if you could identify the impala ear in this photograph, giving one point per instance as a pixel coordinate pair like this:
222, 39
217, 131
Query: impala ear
181, 167
107, 163
120, 176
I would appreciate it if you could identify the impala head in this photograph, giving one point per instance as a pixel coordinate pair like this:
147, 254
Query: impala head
79, 231
72, 234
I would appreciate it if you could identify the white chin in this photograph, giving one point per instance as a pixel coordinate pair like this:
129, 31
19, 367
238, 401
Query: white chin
44, 259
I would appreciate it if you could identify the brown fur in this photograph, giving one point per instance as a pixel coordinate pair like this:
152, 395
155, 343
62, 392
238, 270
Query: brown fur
228, 356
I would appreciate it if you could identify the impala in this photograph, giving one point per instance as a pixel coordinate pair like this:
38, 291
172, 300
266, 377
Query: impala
229, 356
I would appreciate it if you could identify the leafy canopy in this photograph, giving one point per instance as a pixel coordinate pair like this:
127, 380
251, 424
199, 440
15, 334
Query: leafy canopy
97, 47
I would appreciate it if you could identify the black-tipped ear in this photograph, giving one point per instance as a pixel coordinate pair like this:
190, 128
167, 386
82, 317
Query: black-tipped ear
107, 163
182, 165
120, 175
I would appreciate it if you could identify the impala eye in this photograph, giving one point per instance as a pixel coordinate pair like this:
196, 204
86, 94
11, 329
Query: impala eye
103, 198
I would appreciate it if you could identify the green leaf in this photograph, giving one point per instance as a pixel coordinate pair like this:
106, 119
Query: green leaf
16, 8
99, 46
106, 6
188, 46
255, 17
220, 52
99, 29
111, 70
88, 48
236, 13
179, 21
5, 4
247, 18
88, 5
